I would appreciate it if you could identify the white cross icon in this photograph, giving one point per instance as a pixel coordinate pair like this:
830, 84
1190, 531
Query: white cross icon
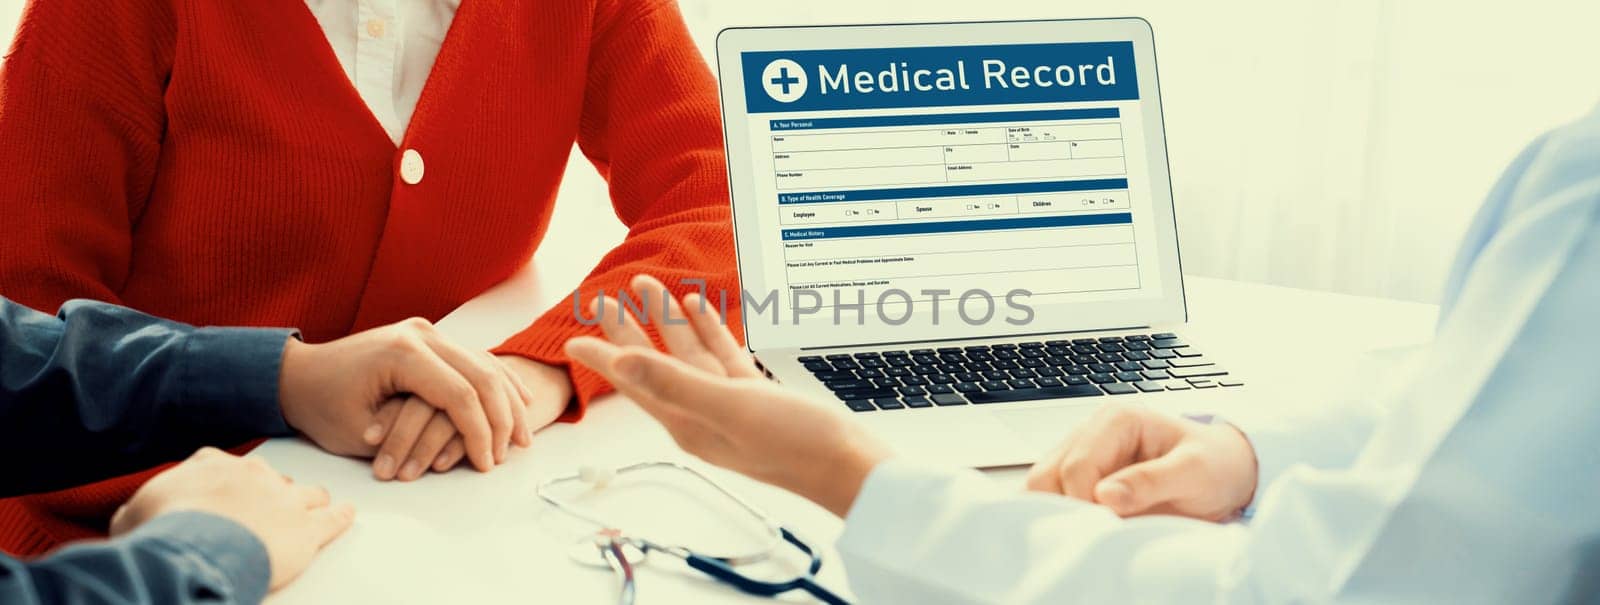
784, 80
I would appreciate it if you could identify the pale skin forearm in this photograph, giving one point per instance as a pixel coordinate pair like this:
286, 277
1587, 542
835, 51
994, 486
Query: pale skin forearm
556, 393
833, 485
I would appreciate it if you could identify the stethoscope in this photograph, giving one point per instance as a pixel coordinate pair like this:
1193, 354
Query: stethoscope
610, 547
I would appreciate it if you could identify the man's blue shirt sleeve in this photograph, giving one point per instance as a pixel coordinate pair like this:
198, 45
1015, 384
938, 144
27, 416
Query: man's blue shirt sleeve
179, 558
100, 390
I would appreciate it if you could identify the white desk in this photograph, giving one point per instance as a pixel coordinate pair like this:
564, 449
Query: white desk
465, 537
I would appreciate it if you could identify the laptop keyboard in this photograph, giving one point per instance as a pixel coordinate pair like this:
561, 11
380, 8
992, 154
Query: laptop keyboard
1021, 371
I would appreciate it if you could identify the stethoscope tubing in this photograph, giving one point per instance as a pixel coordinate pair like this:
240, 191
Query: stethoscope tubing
724, 571
774, 531
719, 567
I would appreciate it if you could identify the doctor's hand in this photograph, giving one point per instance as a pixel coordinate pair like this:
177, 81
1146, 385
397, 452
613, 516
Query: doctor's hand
413, 436
718, 406
332, 392
1140, 462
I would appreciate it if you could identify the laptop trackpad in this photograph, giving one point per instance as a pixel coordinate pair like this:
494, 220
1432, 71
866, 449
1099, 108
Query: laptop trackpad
963, 436
1043, 428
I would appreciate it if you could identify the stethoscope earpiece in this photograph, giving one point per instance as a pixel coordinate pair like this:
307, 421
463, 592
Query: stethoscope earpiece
596, 477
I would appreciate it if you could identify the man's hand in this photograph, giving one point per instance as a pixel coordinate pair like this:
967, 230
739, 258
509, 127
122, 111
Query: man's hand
292, 521
332, 391
422, 437
717, 405
1138, 462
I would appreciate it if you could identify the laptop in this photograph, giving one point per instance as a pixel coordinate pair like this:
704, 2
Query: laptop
962, 233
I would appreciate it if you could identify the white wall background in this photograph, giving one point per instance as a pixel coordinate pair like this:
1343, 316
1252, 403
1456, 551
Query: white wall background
1337, 145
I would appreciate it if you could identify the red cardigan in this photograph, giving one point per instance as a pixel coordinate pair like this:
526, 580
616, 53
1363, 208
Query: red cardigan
210, 162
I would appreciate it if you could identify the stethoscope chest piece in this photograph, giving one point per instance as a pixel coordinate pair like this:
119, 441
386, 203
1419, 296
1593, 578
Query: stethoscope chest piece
596, 551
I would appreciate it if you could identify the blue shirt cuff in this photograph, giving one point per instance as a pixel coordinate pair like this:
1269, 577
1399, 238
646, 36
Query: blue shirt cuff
230, 377
229, 549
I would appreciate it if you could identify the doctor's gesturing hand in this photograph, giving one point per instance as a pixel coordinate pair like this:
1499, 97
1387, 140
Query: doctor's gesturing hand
717, 405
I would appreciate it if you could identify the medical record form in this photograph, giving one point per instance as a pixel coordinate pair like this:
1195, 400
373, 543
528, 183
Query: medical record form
951, 168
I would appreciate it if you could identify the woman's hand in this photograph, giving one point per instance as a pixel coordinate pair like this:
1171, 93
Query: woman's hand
412, 436
332, 392
1137, 462
718, 406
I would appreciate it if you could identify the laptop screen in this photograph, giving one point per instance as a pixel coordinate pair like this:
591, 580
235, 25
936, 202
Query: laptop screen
985, 182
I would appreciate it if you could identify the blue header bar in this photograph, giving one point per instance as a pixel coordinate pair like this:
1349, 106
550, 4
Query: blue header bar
1071, 220
947, 118
907, 193
938, 76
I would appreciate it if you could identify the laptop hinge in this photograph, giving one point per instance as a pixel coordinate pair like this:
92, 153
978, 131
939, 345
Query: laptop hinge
935, 340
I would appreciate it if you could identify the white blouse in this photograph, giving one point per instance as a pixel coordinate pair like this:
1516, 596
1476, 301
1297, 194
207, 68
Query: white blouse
387, 48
